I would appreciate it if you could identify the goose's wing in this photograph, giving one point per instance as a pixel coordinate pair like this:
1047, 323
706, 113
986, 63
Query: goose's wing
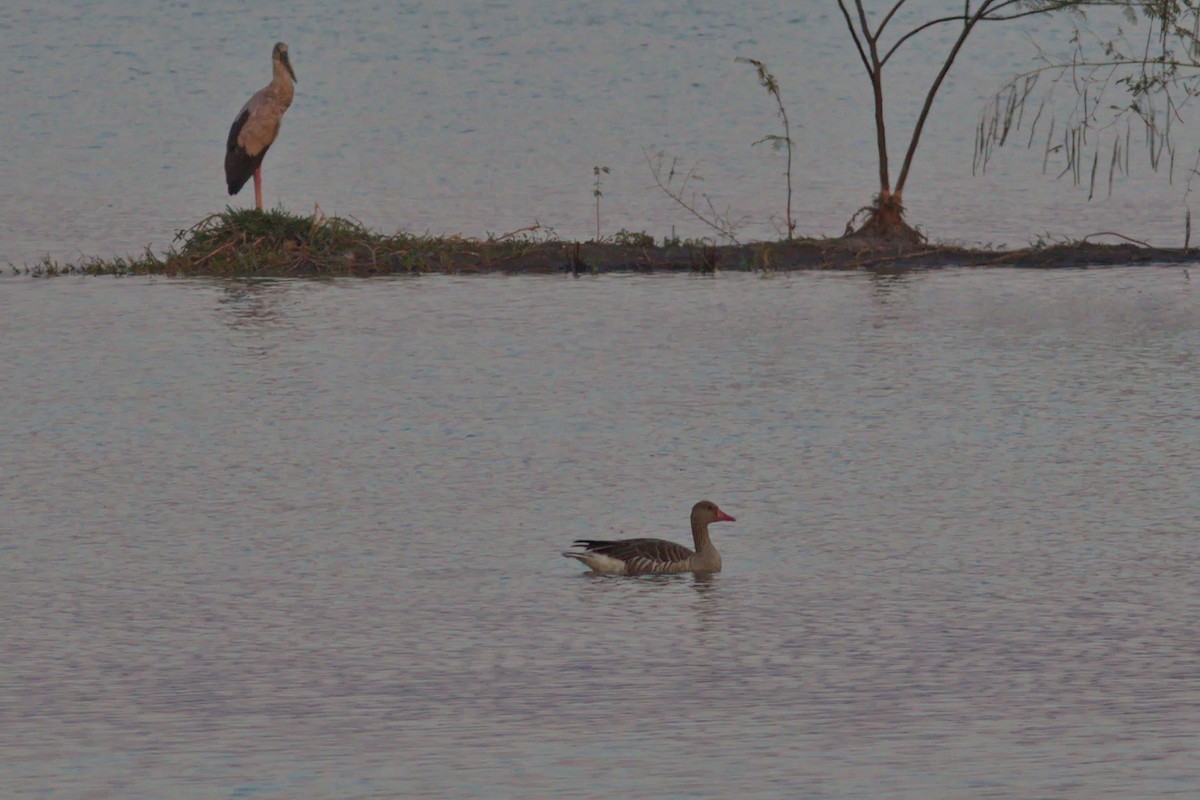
656, 551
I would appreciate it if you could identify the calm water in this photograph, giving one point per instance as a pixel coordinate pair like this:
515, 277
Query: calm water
281, 540
467, 118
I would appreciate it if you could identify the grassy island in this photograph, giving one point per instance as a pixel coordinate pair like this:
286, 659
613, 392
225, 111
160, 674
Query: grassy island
250, 243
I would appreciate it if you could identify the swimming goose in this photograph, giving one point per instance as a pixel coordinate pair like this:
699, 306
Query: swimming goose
655, 556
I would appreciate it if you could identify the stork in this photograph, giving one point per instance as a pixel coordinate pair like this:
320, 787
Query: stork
257, 125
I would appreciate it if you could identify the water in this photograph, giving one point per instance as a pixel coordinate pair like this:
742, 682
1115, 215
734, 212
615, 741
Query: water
473, 118
294, 539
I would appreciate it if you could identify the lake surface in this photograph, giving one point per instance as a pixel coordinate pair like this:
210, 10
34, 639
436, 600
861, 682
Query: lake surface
300, 539
471, 118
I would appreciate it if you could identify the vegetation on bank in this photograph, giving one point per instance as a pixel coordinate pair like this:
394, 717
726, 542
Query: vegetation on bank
251, 243
248, 242
254, 243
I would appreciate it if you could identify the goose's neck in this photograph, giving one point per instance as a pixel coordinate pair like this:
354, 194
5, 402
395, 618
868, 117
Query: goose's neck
700, 537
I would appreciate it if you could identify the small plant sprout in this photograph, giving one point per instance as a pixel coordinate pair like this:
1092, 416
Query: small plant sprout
597, 172
768, 82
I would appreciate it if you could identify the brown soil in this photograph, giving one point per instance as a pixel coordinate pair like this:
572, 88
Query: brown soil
858, 252
278, 244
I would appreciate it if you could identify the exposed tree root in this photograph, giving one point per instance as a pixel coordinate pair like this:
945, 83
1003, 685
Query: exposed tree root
884, 222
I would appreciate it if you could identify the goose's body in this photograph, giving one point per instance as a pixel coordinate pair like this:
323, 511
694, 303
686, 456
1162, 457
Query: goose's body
655, 556
257, 125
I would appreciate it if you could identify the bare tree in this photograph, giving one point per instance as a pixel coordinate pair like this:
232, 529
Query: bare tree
876, 46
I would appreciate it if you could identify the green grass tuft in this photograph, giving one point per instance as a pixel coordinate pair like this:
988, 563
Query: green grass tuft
276, 243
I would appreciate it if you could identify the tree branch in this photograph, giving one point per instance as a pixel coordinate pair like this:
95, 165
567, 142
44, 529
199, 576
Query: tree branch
989, 16
914, 32
854, 35
984, 8
875, 73
888, 18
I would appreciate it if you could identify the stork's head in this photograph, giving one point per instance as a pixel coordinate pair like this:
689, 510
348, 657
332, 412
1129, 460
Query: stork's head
280, 56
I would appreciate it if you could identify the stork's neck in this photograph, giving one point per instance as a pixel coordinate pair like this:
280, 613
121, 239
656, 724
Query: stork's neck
281, 82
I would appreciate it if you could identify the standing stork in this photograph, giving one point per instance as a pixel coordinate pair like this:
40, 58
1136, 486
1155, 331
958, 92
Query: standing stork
257, 125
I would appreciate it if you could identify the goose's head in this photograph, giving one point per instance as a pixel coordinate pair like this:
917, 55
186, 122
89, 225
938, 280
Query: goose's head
706, 512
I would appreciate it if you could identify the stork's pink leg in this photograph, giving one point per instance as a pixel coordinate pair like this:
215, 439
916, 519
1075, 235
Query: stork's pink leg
258, 187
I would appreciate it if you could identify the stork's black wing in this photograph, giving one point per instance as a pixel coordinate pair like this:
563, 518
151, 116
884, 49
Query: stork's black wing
240, 165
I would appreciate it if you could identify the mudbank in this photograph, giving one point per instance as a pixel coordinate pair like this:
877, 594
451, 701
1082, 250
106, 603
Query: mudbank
278, 244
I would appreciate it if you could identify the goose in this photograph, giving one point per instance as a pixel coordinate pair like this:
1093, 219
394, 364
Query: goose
655, 556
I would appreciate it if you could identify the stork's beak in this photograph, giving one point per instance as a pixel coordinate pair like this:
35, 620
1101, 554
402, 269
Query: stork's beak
287, 62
